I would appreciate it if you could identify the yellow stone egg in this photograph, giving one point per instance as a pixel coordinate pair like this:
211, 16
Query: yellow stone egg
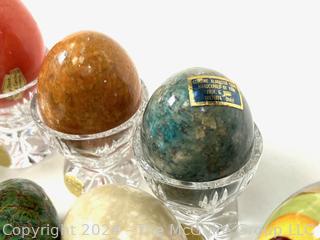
290, 227
297, 218
5, 159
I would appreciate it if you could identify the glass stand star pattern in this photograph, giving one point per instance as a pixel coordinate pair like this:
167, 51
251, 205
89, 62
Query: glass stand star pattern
96, 159
21, 143
210, 207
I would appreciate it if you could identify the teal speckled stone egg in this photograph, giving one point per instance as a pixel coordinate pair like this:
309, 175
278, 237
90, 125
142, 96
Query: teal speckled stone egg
197, 127
26, 212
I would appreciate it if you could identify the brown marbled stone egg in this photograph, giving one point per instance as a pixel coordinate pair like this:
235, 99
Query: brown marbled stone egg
87, 84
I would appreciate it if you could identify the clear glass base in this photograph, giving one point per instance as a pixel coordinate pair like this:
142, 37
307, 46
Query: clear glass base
209, 207
96, 159
21, 143
217, 226
21, 149
79, 179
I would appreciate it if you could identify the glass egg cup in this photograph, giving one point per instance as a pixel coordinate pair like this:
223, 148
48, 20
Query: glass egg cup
96, 159
209, 207
21, 143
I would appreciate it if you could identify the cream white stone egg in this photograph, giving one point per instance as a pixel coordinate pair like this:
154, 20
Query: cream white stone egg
122, 213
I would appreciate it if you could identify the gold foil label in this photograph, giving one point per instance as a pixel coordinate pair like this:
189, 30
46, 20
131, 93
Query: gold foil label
5, 159
207, 90
192, 233
13, 81
74, 185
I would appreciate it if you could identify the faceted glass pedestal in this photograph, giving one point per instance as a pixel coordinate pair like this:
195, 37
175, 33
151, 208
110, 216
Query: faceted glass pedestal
96, 159
21, 143
209, 207
121, 169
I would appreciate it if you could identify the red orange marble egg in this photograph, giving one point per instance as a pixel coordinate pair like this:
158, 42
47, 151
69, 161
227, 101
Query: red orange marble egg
21, 48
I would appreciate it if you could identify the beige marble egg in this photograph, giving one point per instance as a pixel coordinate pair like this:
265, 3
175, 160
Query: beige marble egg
120, 212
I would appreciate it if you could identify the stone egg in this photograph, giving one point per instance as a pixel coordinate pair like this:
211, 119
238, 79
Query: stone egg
21, 49
25, 207
298, 218
120, 212
87, 84
197, 127
5, 159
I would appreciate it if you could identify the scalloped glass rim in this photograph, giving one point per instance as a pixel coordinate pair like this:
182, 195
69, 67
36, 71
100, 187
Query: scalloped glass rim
250, 166
20, 90
35, 113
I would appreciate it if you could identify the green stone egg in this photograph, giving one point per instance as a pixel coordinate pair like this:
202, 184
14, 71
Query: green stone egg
26, 212
197, 127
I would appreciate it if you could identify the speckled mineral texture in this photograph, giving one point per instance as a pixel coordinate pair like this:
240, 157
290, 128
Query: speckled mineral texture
194, 143
87, 84
120, 212
24, 204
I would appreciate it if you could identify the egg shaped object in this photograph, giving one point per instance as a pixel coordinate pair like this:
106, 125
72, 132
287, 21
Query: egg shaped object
120, 212
26, 212
298, 218
21, 48
87, 84
197, 127
5, 159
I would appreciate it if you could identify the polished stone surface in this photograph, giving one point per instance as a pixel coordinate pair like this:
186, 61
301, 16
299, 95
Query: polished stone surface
21, 48
298, 218
5, 159
87, 84
120, 212
197, 136
24, 204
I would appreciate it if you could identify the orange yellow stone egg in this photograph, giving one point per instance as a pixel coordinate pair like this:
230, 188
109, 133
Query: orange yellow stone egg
87, 84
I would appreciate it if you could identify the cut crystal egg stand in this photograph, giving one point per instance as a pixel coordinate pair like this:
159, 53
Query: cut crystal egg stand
21, 143
209, 207
91, 160
96, 159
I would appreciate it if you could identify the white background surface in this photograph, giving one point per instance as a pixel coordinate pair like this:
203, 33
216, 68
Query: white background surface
270, 48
